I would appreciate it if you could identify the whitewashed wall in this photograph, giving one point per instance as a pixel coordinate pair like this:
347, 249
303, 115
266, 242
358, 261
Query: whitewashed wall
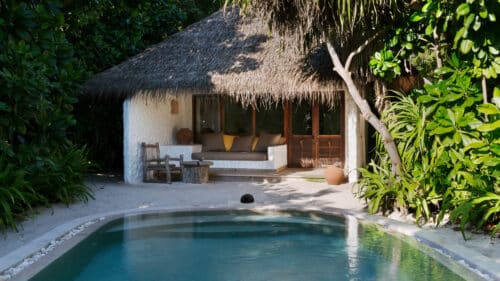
355, 141
150, 121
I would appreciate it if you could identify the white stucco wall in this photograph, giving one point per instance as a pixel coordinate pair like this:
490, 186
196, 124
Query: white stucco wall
354, 139
150, 121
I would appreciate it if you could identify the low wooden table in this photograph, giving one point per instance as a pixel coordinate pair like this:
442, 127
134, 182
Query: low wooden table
195, 171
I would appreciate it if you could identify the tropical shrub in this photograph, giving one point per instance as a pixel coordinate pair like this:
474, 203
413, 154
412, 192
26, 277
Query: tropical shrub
61, 177
39, 77
449, 142
14, 194
447, 132
47, 49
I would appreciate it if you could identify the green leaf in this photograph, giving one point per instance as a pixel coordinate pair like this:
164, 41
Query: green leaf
455, 60
475, 145
469, 20
429, 29
477, 25
488, 108
4, 107
493, 50
488, 127
456, 138
416, 17
426, 7
453, 97
483, 12
442, 130
466, 45
495, 148
425, 99
487, 160
463, 9
496, 97
451, 116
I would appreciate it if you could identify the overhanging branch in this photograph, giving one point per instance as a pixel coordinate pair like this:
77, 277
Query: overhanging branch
347, 64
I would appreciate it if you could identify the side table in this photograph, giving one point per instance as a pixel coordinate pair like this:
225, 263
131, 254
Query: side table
195, 171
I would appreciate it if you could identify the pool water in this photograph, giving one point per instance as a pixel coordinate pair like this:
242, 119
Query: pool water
242, 246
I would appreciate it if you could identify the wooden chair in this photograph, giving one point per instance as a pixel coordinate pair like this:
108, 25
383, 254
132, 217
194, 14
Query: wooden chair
156, 167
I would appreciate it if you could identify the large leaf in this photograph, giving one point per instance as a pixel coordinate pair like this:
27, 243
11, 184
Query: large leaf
488, 108
463, 9
488, 127
426, 99
466, 45
416, 17
442, 130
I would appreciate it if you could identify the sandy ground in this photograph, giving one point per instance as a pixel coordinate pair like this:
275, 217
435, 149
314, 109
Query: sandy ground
112, 196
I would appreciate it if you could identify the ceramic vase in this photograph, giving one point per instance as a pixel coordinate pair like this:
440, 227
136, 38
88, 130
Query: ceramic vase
184, 136
334, 175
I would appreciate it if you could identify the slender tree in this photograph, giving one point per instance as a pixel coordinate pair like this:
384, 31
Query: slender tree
349, 28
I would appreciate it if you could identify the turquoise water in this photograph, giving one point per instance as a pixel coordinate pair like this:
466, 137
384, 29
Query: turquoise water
242, 246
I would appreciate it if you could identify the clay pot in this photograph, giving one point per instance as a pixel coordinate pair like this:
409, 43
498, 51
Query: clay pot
334, 175
184, 136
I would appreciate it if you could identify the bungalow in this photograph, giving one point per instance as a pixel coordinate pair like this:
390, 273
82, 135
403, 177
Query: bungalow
230, 74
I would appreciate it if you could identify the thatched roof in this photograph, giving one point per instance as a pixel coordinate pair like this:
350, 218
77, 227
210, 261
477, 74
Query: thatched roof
222, 54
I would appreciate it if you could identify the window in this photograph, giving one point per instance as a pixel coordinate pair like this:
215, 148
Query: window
207, 115
269, 120
237, 120
302, 118
329, 120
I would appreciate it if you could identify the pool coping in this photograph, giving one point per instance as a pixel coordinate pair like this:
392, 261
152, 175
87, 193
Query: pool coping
23, 257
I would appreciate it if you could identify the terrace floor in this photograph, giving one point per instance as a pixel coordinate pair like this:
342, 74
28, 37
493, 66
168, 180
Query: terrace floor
316, 175
291, 189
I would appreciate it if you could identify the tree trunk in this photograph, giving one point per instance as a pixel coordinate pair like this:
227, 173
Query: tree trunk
368, 115
484, 89
436, 48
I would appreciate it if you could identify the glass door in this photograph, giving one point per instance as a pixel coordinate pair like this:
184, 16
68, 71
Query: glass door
316, 134
301, 152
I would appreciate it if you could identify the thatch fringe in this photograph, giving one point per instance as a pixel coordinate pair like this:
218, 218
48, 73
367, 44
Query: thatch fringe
223, 54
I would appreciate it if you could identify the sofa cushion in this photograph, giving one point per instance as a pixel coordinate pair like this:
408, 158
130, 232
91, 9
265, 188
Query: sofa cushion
242, 144
266, 140
228, 141
254, 143
240, 156
212, 142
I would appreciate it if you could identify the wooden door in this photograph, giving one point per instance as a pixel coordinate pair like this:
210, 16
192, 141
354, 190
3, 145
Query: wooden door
315, 134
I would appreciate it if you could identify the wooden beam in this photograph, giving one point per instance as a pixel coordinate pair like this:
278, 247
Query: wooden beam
254, 121
222, 115
287, 130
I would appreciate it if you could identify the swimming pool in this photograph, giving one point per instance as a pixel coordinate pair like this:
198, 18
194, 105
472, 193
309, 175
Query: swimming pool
244, 245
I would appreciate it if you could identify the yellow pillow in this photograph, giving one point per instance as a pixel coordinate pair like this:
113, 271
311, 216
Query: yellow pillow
254, 143
228, 141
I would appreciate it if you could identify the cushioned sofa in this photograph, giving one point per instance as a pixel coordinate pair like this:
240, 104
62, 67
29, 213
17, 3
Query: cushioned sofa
266, 152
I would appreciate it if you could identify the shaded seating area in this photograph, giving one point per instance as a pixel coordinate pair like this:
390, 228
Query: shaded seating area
158, 169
